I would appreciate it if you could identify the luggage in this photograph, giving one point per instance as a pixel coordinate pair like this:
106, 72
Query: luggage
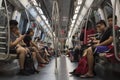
82, 67
29, 64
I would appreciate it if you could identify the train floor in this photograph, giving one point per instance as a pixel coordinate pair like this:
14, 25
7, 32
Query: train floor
50, 73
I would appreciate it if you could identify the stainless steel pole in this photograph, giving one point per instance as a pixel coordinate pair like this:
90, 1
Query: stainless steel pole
114, 34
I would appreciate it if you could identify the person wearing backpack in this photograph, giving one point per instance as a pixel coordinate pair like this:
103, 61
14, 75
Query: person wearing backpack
16, 47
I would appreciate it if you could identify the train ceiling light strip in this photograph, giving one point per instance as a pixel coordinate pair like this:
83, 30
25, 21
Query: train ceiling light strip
80, 2
83, 12
70, 31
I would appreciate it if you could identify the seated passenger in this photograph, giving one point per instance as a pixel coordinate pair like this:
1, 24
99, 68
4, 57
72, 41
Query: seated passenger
15, 47
32, 46
43, 49
101, 47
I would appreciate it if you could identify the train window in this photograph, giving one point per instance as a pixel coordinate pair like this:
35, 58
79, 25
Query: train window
92, 19
109, 10
108, 7
97, 16
23, 24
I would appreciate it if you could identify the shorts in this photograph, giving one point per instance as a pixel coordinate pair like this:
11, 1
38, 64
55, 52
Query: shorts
101, 49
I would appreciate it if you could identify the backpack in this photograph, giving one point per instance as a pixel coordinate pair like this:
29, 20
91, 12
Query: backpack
29, 64
82, 67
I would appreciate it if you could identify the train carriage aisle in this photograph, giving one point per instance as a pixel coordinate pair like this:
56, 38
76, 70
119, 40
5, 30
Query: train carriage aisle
48, 72
59, 39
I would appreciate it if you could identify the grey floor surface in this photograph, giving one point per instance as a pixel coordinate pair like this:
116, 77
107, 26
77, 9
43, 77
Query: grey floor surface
48, 73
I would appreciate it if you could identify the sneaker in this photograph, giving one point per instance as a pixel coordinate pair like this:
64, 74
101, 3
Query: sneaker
24, 73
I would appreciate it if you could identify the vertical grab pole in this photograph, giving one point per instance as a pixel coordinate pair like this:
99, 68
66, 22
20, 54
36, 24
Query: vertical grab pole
53, 34
114, 34
89, 12
55, 22
55, 25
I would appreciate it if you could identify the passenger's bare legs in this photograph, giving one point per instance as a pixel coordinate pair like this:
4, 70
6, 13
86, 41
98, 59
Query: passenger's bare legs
85, 52
22, 52
34, 56
89, 53
38, 56
90, 59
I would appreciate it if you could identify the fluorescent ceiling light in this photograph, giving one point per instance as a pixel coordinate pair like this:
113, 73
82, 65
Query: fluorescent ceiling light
43, 17
69, 34
77, 9
48, 25
34, 2
46, 21
79, 2
73, 21
38, 18
75, 16
40, 10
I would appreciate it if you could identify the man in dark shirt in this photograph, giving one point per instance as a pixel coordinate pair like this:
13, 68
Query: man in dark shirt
106, 39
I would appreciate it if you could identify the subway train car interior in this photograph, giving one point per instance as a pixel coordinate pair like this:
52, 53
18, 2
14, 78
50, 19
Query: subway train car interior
59, 39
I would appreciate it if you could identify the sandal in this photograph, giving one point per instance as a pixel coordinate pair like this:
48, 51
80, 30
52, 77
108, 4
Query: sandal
37, 71
87, 76
41, 65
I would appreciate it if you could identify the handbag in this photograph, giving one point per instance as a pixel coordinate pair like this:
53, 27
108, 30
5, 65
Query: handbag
82, 67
